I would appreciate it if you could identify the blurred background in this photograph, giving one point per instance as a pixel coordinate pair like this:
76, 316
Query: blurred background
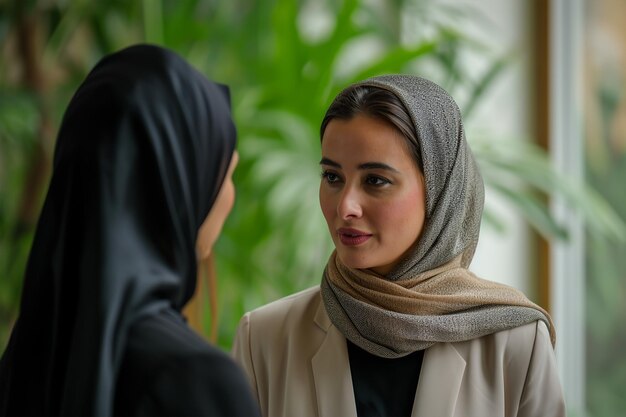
541, 84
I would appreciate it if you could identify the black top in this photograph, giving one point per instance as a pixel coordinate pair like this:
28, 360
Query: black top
141, 154
168, 370
384, 387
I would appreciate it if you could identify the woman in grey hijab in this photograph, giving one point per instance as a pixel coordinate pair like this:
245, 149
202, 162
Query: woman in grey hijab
399, 326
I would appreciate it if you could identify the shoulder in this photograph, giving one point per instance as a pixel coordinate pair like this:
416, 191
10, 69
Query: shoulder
170, 370
295, 320
516, 367
207, 366
202, 382
290, 308
516, 342
511, 352
524, 341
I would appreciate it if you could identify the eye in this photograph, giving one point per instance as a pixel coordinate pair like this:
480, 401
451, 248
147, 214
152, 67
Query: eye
376, 181
330, 177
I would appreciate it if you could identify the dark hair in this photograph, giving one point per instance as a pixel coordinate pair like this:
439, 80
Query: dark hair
378, 103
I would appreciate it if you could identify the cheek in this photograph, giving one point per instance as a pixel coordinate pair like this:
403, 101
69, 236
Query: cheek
326, 204
415, 206
204, 240
229, 197
225, 199
212, 226
405, 215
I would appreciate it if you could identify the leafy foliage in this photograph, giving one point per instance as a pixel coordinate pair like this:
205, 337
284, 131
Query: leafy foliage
606, 264
284, 61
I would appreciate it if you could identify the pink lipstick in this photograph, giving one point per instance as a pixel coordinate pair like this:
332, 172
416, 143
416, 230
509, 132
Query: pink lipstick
352, 237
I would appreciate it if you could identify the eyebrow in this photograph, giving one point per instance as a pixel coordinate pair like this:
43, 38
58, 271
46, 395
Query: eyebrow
366, 165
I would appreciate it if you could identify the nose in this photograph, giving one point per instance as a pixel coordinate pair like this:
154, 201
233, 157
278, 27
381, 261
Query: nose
349, 205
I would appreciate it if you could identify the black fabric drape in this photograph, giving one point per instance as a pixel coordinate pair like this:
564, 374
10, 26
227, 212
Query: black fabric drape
140, 157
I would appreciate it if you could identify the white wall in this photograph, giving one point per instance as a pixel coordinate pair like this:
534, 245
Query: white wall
505, 113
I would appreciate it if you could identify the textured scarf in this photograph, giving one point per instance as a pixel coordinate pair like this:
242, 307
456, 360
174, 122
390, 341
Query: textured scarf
430, 296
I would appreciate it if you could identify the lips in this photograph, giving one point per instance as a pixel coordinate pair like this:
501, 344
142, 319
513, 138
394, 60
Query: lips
352, 237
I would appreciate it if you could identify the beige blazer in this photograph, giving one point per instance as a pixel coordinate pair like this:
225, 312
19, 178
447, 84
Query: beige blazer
297, 363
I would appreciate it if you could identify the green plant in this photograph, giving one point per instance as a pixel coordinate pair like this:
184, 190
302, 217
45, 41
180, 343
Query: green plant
605, 261
282, 78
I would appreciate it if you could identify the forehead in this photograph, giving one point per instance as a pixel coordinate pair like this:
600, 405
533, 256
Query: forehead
365, 139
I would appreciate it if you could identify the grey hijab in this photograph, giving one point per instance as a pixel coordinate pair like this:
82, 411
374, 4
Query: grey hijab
430, 296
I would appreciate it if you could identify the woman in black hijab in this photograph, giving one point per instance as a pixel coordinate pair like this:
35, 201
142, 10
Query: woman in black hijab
143, 160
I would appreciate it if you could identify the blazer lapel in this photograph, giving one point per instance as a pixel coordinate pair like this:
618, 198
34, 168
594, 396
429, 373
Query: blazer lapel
439, 382
331, 372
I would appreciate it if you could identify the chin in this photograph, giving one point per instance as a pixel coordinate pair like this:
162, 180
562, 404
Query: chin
354, 262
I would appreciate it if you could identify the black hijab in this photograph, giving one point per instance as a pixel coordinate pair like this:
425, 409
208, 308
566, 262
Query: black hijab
141, 155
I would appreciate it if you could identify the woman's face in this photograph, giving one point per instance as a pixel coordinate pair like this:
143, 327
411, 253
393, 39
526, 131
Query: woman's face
212, 226
372, 193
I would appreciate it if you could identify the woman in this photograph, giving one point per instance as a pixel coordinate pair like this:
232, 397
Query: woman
141, 186
399, 326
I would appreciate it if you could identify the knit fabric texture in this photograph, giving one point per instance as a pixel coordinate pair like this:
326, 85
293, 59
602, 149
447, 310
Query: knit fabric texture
430, 296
